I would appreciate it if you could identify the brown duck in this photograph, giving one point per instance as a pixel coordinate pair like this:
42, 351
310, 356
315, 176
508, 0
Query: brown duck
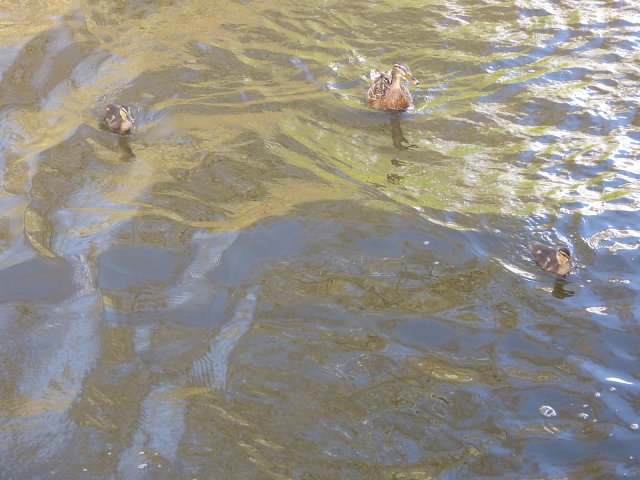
117, 118
388, 91
554, 260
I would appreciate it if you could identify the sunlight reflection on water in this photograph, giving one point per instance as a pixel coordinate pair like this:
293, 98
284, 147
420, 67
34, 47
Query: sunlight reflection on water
268, 279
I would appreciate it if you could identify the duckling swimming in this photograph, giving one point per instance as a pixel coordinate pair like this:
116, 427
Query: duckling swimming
388, 92
118, 119
554, 260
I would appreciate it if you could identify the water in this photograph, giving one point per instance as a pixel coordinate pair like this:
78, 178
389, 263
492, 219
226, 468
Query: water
270, 280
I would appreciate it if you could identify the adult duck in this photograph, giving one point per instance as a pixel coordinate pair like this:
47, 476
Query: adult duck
388, 91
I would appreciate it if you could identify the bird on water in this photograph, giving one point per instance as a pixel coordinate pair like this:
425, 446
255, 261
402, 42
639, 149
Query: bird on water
118, 118
551, 259
388, 91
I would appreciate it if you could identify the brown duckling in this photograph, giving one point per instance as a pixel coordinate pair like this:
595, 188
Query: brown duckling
118, 119
554, 260
388, 91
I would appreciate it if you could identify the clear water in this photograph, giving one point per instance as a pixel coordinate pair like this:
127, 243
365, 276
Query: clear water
270, 280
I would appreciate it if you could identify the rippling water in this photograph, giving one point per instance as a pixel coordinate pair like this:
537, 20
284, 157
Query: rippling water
270, 280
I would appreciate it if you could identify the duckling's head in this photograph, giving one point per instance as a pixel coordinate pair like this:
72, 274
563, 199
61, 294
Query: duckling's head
400, 70
563, 255
118, 118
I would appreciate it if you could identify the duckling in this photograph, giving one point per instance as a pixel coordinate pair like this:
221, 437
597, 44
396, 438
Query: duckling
388, 92
117, 118
554, 260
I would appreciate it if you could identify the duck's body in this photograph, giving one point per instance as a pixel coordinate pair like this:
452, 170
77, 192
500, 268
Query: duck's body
388, 91
554, 260
118, 119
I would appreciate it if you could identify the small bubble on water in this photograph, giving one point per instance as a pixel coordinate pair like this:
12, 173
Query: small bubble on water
634, 426
142, 466
547, 411
597, 394
612, 389
583, 415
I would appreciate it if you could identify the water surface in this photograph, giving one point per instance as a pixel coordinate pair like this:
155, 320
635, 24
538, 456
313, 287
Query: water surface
269, 280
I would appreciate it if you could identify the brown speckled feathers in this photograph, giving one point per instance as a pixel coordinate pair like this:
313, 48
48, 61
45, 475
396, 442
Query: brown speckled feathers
388, 92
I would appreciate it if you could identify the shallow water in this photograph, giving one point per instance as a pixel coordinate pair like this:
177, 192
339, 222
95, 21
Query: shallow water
270, 280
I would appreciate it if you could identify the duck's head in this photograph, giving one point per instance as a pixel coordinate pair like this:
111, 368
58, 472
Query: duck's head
400, 70
118, 118
563, 255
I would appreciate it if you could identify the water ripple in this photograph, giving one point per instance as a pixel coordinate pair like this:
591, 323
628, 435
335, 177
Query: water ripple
267, 279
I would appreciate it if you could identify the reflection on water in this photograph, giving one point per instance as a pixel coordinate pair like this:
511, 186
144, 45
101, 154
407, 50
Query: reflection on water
397, 137
561, 289
267, 279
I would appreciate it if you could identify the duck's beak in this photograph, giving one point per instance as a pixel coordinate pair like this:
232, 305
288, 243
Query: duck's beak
411, 78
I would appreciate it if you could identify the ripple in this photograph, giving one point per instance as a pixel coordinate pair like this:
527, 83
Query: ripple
269, 278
